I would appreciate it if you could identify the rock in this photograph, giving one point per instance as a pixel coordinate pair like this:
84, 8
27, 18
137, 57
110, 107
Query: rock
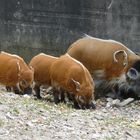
108, 104
112, 102
4, 132
26, 96
116, 102
138, 122
126, 102
109, 99
21, 118
9, 116
29, 123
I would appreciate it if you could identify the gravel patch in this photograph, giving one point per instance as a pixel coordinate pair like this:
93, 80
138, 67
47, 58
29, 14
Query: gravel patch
24, 118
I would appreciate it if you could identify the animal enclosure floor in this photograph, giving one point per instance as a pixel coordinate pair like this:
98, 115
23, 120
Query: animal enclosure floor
24, 118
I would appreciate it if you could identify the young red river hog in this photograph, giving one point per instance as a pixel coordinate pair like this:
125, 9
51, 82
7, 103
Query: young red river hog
41, 64
15, 73
72, 76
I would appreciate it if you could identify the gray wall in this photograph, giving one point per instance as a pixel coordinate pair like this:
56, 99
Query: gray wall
28, 27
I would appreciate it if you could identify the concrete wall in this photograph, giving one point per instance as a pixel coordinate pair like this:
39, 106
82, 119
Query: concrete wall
28, 27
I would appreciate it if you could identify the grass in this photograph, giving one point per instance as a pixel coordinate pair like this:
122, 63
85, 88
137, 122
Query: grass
115, 120
109, 138
135, 125
1, 123
15, 111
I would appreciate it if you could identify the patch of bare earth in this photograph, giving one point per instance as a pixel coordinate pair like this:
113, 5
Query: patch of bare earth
24, 118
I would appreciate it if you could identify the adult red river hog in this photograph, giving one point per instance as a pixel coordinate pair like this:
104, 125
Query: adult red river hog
15, 73
41, 64
107, 60
72, 76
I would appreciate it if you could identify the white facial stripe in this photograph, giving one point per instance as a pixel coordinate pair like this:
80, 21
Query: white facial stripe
81, 99
99, 74
18, 87
122, 78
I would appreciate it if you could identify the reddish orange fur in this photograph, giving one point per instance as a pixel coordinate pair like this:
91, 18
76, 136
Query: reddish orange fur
97, 54
41, 64
13, 69
64, 69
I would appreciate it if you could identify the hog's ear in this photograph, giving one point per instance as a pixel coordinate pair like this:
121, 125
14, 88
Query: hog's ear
31, 68
76, 84
132, 73
23, 83
117, 55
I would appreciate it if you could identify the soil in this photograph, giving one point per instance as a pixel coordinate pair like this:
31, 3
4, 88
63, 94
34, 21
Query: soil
26, 118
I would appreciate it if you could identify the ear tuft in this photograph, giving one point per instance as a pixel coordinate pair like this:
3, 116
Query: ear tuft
31, 68
77, 84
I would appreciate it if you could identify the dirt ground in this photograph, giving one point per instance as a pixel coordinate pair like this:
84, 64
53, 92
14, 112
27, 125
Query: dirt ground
24, 118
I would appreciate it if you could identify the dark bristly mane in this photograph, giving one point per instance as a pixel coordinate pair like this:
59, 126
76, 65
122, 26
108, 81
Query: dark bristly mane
136, 65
